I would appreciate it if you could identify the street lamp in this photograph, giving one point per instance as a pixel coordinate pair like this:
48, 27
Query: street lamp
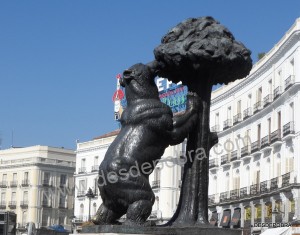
90, 195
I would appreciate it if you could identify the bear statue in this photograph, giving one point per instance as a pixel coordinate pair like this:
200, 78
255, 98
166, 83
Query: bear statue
147, 129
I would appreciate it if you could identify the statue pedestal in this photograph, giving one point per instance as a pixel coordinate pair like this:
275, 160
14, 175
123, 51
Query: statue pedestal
129, 230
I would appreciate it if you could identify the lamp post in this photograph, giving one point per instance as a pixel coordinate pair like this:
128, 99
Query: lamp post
90, 195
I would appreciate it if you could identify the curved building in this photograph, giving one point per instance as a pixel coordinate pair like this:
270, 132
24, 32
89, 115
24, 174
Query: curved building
254, 168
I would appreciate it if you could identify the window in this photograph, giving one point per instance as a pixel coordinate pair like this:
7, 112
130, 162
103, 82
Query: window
96, 186
13, 196
4, 178
269, 128
258, 211
236, 182
249, 103
83, 163
25, 196
292, 70
82, 186
46, 179
269, 210
45, 218
62, 200
26, 176
292, 206
24, 218
248, 213
81, 212
15, 177
279, 120
63, 180
258, 133
61, 220
259, 94
96, 161
94, 209
279, 168
239, 107
291, 112
256, 179
270, 87
217, 119
157, 174
3, 198
229, 112
289, 164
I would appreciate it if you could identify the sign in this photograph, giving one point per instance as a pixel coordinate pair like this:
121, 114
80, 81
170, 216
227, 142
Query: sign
118, 95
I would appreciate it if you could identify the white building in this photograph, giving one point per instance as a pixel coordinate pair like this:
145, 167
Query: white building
254, 169
37, 184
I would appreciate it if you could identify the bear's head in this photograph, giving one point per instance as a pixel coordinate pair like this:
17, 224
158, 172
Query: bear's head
139, 83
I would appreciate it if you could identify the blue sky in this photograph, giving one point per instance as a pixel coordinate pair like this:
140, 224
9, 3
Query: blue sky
59, 58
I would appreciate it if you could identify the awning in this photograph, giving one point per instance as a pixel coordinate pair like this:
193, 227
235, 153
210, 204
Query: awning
236, 217
225, 219
276, 231
214, 219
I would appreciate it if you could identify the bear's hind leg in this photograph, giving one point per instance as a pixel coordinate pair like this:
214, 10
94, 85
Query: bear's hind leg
138, 212
106, 216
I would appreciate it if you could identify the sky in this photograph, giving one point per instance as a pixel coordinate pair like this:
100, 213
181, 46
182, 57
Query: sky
59, 58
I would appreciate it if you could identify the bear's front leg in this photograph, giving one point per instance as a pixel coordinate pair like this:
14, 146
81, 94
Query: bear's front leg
184, 123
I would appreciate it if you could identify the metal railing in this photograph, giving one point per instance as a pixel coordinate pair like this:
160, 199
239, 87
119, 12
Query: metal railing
234, 155
268, 100
237, 118
213, 163
247, 113
264, 187
288, 129
156, 184
227, 124
245, 151
14, 184
3, 184
277, 92
81, 170
286, 179
257, 106
24, 204
234, 194
81, 193
255, 146
12, 204
265, 141
289, 82
276, 136
215, 128
225, 159
25, 183
46, 182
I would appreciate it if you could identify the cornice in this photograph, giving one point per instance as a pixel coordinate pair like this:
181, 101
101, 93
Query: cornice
38, 165
292, 40
93, 149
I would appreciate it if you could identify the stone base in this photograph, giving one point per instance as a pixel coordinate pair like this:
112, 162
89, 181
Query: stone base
121, 229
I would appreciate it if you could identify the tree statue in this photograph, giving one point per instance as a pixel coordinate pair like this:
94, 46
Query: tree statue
200, 52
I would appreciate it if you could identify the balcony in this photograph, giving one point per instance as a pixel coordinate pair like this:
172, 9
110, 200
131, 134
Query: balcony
211, 199
2, 205
14, 184
12, 204
237, 118
268, 100
254, 189
46, 204
264, 187
276, 136
288, 129
213, 163
215, 128
95, 168
227, 124
3, 184
156, 184
81, 193
25, 183
274, 184
245, 151
277, 92
81, 170
225, 159
234, 156
243, 192
46, 183
289, 82
24, 204
234, 194
265, 142
286, 179
247, 113
257, 107
255, 147
224, 196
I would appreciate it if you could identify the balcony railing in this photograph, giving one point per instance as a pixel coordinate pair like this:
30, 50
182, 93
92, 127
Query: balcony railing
245, 151
14, 184
288, 129
274, 184
156, 184
276, 136
81, 170
286, 179
224, 196
215, 128
254, 189
213, 163
211, 199
257, 106
237, 118
227, 124
25, 183
234, 155
12, 204
277, 92
264, 187
265, 141
247, 113
243, 192
46, 183
255, 146
95, 168
234, 194
289, 82
3, 184
2, 205
224, 159
24, 204
268, 100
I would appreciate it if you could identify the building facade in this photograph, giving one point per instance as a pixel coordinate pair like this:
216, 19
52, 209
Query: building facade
37, 184
254, 168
